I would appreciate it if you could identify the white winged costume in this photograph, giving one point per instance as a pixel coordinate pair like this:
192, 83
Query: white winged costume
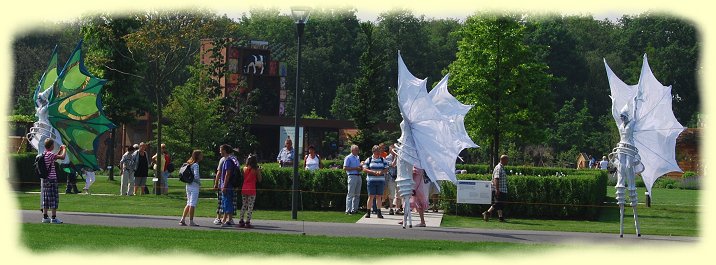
433, 132
648, 130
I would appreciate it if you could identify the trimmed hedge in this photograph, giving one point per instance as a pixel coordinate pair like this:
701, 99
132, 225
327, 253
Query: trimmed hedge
24, 165
578, 195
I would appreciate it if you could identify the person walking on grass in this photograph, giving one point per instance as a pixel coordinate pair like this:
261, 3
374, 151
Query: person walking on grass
252, 175
127, 165
192, 189
50, 196
89, 179
375, 168
499, 190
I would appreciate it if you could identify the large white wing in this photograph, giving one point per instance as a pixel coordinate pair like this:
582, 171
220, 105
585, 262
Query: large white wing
656, 128
428, 138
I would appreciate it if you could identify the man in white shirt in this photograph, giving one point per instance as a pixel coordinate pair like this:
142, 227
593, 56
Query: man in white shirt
604, 163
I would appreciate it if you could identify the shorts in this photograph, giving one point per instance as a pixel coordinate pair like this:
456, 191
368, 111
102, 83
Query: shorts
376, 187
227, 201
499, 205
192, 194
50, 197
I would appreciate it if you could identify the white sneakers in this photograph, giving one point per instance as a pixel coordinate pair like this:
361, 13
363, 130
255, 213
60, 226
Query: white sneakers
45, 220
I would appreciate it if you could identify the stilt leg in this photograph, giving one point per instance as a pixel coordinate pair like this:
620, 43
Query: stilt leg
634, 200
621, 220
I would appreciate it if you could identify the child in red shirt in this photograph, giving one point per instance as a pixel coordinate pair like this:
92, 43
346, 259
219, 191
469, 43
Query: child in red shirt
252, 174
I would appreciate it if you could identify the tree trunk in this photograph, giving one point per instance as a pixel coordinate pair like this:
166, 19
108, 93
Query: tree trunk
160, 155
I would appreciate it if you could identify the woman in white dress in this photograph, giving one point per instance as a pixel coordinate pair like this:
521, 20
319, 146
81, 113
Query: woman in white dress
312, 161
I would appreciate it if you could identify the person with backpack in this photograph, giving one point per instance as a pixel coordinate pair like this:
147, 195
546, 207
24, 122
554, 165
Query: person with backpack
375, 168
50, 197
252, 175
227, 182
193, 184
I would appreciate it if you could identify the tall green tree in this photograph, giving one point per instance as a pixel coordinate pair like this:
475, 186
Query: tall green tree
502, 76
195, 118
166, 43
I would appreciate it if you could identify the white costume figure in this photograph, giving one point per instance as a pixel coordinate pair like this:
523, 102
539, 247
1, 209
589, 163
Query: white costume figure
42, 129
433, 133
648, 132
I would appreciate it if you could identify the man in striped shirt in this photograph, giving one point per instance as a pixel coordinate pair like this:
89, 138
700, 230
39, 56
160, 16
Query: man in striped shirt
375, 168
499, 189
50, 197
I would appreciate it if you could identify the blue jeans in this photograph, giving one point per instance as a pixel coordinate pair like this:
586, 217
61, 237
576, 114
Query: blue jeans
165, 179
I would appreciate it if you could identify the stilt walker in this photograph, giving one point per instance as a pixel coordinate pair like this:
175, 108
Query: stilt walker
648, 130
432, 133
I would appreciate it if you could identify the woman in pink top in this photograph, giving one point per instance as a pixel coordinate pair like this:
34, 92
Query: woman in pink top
419, 200
252, 174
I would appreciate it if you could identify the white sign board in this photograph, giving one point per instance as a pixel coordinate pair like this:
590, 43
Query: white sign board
289, 131
474, 191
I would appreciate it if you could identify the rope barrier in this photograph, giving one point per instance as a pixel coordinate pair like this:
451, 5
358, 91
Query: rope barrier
454, 200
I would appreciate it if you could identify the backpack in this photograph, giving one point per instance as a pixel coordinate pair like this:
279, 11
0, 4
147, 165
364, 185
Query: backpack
41, 167
186, 175
170, 167
237, 176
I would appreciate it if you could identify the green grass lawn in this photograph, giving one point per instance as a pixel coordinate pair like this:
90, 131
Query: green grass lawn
150, 241
673, 211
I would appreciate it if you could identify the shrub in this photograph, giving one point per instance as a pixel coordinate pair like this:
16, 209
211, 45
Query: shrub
24, 175
577, 195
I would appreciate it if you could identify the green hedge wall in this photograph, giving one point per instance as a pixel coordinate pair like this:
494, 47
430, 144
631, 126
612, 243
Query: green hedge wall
24, 171
578, 195
545, 196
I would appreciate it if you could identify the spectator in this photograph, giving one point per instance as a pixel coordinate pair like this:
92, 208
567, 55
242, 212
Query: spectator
50, 196
352, 165
390, 176
164, 166
192, 189
419, 200
285, 156
312, 161
604, 163
231, 164
89, 179
592, 161
71, 179
127, 165
375, 168
141, 160
252, 175
499, 190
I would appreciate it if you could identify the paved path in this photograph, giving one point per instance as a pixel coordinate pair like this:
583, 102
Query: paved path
363, 230
431, 219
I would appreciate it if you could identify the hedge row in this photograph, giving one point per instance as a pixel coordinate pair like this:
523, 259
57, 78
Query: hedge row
573, 196
577, 195
24, 171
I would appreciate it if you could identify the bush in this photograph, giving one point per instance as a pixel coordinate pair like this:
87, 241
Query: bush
24, 174
577, 195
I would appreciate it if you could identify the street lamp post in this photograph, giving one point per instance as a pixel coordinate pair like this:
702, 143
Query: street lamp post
300, 15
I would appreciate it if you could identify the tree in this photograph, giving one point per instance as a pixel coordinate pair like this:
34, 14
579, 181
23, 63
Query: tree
195, 120
166, 42
503, 78
368, 92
